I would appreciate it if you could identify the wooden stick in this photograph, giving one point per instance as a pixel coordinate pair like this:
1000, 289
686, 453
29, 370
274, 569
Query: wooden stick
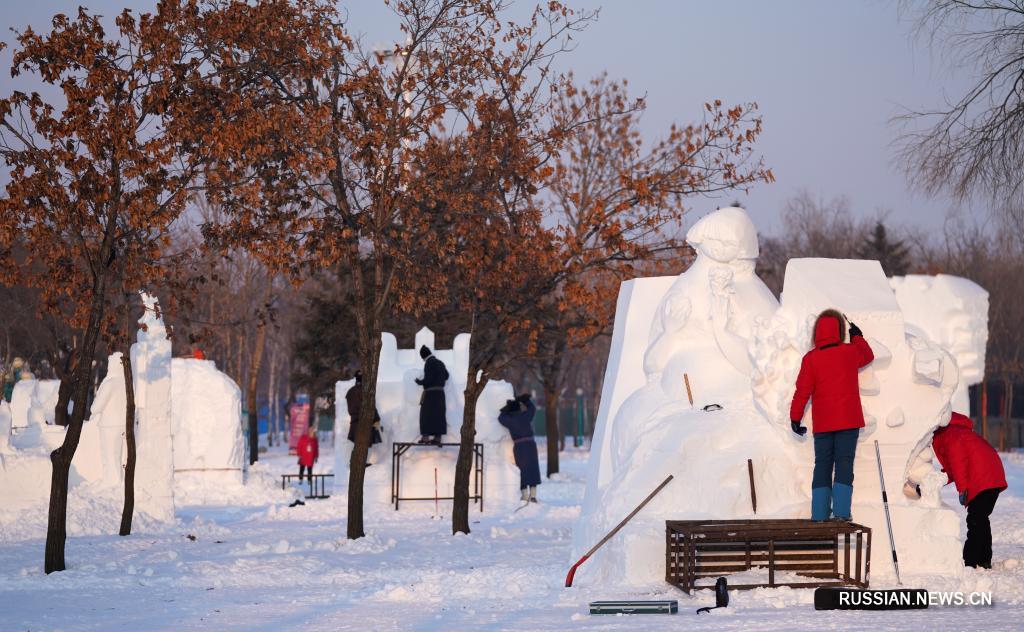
689, 393
618, 527
753, 493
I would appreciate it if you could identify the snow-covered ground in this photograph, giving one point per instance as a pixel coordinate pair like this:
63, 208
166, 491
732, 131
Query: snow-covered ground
255, 563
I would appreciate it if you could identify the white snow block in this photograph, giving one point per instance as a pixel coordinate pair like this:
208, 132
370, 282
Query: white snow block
624, 372
206, 422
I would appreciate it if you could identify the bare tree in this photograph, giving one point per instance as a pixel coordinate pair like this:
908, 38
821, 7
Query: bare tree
973, 146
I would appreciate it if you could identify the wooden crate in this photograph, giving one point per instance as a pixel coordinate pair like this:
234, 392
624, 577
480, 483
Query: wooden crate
829, 553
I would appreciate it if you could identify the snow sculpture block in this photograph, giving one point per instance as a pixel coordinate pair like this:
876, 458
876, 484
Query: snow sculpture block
5, 427
953, 312
151, 364
624, 373
206, 413
398, 398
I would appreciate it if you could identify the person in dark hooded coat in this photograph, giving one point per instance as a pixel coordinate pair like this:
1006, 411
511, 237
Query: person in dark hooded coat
828, 376
353, 400
517, 416
433, 422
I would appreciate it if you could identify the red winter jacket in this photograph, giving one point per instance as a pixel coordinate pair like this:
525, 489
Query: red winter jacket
308, 449
828, 374
967, 459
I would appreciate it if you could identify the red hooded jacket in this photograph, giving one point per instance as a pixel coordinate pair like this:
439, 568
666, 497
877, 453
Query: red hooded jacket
828, 374
967, 459
308, 450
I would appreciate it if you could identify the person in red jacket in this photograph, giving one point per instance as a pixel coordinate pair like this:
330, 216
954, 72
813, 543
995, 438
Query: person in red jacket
308, 450
975, 468
828, 378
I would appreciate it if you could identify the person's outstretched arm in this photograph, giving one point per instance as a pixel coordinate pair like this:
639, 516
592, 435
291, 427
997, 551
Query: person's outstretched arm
863, 350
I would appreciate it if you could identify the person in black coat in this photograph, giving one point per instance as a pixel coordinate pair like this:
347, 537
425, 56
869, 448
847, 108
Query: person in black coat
517, 416
433, 422
353, 400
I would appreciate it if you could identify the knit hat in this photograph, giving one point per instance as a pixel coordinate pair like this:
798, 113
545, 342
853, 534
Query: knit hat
425, 352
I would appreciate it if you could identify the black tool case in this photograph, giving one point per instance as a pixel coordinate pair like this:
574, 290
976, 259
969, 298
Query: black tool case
668, 606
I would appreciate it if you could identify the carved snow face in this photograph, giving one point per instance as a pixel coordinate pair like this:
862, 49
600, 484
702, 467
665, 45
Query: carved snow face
725, 235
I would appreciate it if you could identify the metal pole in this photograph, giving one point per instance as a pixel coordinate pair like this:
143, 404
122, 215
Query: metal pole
888, 521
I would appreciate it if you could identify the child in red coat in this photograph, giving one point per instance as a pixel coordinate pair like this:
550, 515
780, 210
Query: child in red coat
828, 376
977, 471
308, 450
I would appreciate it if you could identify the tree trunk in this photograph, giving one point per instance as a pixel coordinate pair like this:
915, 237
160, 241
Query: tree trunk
551, 424
254, 373
129, 435
984, 407
1008, 415
271, 398
361, 449
464, 462
56, 527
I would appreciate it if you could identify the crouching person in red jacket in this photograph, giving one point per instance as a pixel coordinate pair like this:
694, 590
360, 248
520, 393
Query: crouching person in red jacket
308, 449
977, 471
828, 377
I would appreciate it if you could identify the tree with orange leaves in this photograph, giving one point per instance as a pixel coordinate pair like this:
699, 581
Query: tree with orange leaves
96, 179
323, 179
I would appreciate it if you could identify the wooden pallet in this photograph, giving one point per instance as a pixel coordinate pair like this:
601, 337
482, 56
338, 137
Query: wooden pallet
829, 553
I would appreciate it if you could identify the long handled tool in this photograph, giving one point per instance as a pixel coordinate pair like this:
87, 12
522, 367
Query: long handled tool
888, 521
572, 571
753, 492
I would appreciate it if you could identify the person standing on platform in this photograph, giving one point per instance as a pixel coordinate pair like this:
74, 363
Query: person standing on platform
517, 416
308, 450
433, 422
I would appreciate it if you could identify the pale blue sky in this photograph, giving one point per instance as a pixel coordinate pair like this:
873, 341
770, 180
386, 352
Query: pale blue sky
827, 75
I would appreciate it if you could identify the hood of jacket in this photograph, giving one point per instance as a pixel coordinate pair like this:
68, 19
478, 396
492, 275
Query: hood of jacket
826, 331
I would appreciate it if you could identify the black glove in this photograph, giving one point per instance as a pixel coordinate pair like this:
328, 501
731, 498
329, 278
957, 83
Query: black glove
419, 381
524, 398
855, 331
797, 428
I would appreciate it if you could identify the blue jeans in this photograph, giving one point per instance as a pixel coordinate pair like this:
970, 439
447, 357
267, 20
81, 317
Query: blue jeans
832, 484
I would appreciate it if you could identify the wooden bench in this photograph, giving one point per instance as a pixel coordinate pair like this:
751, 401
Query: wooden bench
828, 553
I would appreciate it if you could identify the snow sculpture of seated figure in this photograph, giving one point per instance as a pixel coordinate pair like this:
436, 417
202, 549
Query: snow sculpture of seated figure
708, 313
702, 326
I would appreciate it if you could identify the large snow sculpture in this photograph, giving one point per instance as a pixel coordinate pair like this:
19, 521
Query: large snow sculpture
953, 312
398, 398
751, 363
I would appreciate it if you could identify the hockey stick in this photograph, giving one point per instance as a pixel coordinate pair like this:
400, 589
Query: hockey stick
572, 571
888, 522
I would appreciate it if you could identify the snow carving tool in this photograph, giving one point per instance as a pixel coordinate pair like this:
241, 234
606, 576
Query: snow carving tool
618, 527
753, 493
721, 596
888, 521
689, 393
